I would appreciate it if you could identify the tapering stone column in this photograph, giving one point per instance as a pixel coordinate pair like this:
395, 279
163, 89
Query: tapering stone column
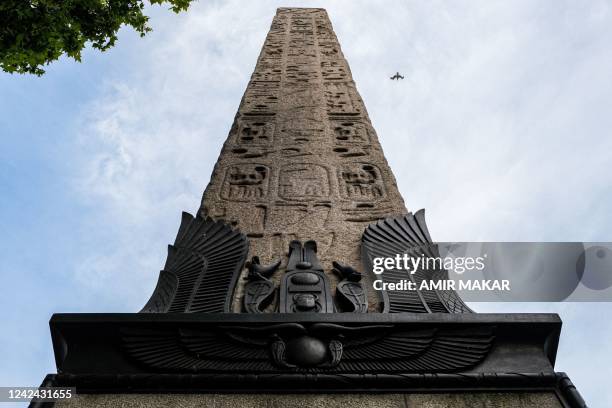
302, 160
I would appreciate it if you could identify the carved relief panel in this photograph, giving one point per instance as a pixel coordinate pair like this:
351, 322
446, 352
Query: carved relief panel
328, 49
342, 99
303, 38
302, 23
335, 71
348, 131
300, 97
295, 215
255, 131
267, 73
261, 97
301, 131
324, 30
303, 50
274, 48
269, 63
245, 182
279, 24
351, 137
304, 181
304, 74
361, 182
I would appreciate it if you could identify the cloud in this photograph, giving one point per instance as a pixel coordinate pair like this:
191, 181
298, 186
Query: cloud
147, 145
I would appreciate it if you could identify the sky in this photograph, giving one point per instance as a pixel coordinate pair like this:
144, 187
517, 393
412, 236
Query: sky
501, 130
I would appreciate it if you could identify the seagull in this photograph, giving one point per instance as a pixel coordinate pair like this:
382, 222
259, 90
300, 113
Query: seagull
397, 76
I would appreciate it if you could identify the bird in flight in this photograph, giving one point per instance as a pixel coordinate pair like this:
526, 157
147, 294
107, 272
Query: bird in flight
397, 76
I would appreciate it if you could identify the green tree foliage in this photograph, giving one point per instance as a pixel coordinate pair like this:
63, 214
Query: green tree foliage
34, 33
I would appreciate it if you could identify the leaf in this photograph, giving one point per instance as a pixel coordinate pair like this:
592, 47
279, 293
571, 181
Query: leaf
34, 33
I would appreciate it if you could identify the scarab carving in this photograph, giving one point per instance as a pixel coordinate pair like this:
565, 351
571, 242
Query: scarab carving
306, 351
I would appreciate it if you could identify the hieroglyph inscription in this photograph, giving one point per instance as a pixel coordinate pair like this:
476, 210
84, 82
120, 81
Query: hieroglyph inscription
254, 132
304, 181
246, 182
342, 99
349, 132
260, 97
361, 181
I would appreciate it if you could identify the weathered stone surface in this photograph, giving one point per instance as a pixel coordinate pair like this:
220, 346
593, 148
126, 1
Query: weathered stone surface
463, 400
302, 160
483, 400
237, 400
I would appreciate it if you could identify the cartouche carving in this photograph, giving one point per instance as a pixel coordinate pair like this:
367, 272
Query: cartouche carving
361, 181
246, 182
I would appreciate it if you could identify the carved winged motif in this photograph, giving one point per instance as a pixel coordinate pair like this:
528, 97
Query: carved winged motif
409, 235
295, 347
351, 294
201, 270
259, 289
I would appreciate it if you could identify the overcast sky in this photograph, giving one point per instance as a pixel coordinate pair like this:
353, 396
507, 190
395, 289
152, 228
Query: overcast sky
501, 129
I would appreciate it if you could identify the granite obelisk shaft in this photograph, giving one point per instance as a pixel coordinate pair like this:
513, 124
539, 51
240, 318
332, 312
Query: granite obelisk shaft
302, 160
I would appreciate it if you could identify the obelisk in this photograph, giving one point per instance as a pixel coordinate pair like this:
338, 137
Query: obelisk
302, 160
302, 191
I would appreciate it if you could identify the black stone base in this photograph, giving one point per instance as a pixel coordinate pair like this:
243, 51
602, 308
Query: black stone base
163, 353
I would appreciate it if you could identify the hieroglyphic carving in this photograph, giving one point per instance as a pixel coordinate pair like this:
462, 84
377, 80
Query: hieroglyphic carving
274, 49
293, 152
279, 25
302, 50
342, 99
254, 131
261, 96
301, 136
253, 152
334, 70
292, 215
300, 98
351, 151
328, 49
323, 29
269, 63
254, 225
301, 74
350, 136
303, 181
348, 131
246, 182
361, 181
301, 39
366, 213
301, 131
267, 72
